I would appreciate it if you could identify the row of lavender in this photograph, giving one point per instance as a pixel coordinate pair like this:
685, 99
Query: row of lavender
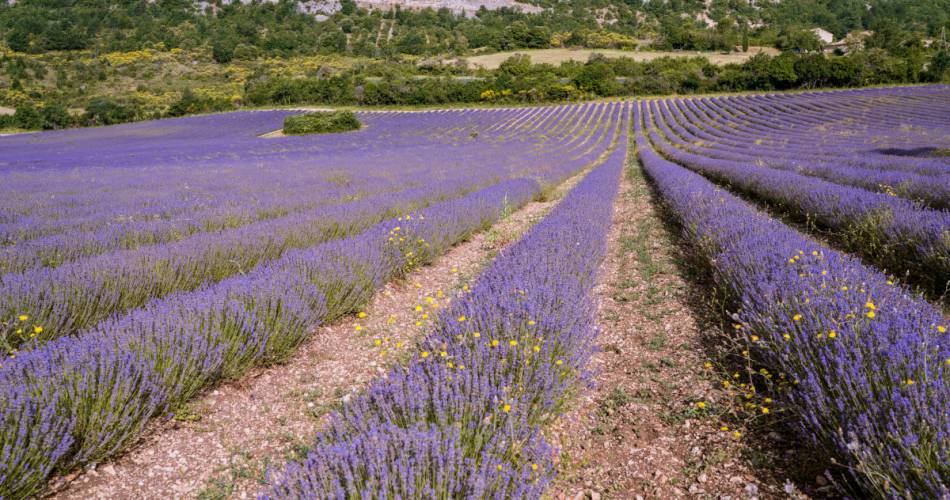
77, 295
79, 399
866, 128
464, 418
205, 187
821, 138
894, 233
200, 150
868, 361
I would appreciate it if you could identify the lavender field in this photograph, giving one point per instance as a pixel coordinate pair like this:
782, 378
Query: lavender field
143, 265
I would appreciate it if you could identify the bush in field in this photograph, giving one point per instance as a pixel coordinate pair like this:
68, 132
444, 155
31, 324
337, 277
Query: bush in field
56, 116
323, 122
189, 103
108, 111
28, 117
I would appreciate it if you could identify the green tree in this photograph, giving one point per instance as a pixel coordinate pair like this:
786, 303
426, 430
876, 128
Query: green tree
222, 50
939, 68
56, 116
597, 77
28, 117
411, 43
799, 40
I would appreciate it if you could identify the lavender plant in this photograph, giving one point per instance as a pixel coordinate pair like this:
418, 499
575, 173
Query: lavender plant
78, 399
463, 419
865, 361
889, 231
75, 296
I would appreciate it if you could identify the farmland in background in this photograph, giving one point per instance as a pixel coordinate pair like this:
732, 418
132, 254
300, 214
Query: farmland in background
558, 56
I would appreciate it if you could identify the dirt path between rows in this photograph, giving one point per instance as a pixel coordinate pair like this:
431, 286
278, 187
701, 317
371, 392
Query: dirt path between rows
222, 446
658, 423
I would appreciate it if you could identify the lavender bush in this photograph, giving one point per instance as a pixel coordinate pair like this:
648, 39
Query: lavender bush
463, 419
77, 295
78, 399
892, 232
867, 361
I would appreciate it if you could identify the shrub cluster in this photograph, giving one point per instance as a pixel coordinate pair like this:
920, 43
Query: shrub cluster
322, 122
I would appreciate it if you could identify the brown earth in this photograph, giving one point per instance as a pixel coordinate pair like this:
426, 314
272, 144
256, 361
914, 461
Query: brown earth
659, 423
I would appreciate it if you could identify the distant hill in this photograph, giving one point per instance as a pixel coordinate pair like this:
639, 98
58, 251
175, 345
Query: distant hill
379, 28
325, 8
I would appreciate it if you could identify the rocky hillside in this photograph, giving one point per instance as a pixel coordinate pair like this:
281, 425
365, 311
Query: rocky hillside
326, 8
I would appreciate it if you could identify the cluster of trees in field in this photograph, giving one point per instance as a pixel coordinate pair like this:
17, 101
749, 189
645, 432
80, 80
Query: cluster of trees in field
53, 115
246, 31
518, 80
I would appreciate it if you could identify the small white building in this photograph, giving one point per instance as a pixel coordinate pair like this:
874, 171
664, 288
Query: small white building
825, 36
